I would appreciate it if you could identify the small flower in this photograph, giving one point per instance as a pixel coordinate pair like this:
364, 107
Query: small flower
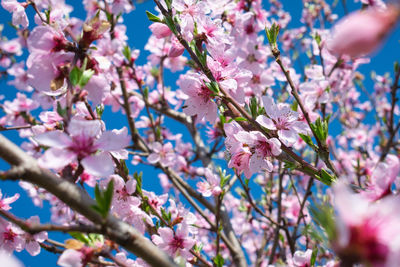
85, 143
282, 119
18, 12
162, 153
175, 242
5, 202
261, 149
211, 186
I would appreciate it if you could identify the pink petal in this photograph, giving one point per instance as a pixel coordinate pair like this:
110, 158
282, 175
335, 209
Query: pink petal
56, 158
70, 258
33, 248
100, 165
54, 139
114, 140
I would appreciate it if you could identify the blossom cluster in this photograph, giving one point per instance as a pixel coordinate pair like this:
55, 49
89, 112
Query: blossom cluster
244, 159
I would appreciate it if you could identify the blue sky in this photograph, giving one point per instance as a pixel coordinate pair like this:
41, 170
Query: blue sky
137, 30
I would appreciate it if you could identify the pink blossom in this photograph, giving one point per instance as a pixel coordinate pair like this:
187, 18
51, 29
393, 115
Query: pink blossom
261, 148
282, 119
362, 32
176, 48
367, 232
162, 153
240, 160
200, 101
84, 141
211, 186
11, 237
32, 241
5, 202
301, 259
70, 258
45, 39
174, 242
382, 178
18, 12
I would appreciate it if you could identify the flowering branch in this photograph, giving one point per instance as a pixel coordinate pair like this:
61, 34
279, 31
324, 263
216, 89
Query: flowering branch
26, 168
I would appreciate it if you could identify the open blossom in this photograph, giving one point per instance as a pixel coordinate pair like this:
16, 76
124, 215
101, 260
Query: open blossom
300, 259
11, 237
240, 160
367, 232
70, 258
199, 98
361, 32
382, 178
162, 153
211, 186
5, 202
282, 119
174, 242
32, 241
86, 143
18, 12
262, 149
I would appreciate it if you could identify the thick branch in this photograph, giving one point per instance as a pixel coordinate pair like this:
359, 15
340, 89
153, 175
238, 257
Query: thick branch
27, 169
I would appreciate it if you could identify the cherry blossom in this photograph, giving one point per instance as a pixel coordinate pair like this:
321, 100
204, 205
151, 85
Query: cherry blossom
175, 241
85, 139
282, 119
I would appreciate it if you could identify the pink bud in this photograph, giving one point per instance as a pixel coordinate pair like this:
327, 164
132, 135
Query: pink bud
176, 48
160, 30
361, 32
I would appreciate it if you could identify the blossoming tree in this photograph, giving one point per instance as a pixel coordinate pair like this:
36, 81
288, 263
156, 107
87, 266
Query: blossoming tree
261, 163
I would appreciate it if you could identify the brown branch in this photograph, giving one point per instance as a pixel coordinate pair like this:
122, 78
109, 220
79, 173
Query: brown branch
26, 169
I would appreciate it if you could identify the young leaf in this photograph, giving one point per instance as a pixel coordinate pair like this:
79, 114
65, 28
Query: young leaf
75, 76
152, 17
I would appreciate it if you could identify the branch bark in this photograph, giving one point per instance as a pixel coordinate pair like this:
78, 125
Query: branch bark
26, 168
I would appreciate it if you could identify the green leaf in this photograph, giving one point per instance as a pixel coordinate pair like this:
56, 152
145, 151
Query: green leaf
308, 140
272, 33
218, 260
317, 38
138, 178
100, 110
253, 107
323, 216
290, 165
326, 178
213, 86
86, 75
169, 4
103, 199
171, 25
127, 53
152, 17
108, 195
314, 256
146, 92
80, 236
97, 193
75, 76
61, 111
198, 248
240, 119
